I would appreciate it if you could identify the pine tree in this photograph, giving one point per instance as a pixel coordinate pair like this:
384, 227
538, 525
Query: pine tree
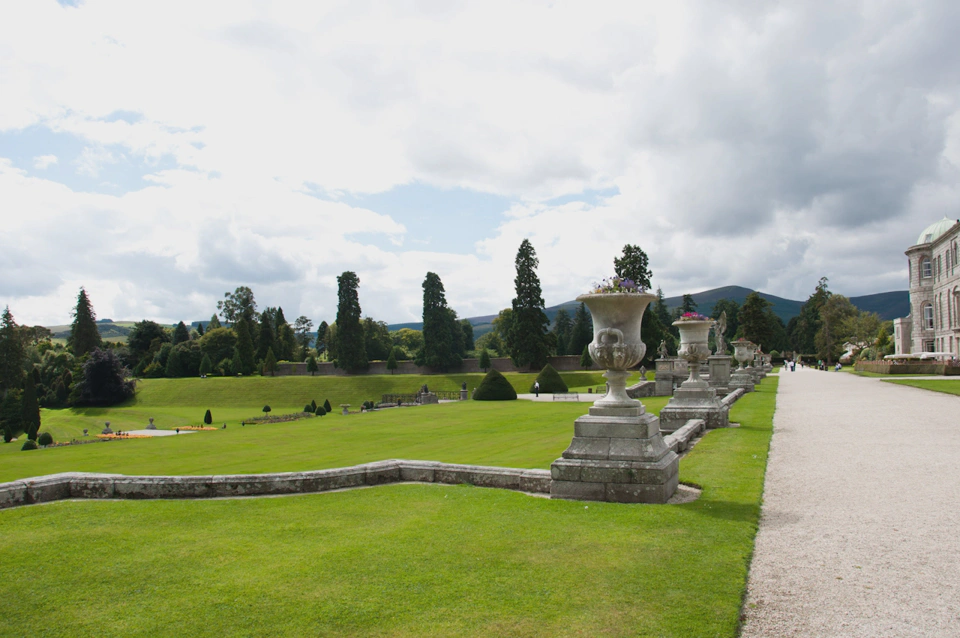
439, 349
200, 329
582, 331
12, 353
351, 350
180, 333
30, 419
530, 345
660, 307
633, 265
270, 362
84, 335
754, 320
301, 330
286, 346
244, 354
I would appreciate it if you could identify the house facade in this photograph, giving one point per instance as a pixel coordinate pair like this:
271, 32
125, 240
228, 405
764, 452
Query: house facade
933, 324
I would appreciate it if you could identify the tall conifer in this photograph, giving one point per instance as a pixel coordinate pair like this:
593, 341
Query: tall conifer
84, 335
529, 343
440, 344
351, 349
244, 347
12, 353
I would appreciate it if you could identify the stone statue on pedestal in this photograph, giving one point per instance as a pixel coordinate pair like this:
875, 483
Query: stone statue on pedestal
718, 329
662, 350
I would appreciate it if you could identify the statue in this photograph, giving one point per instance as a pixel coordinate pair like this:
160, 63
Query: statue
463, 386
718, 329
662, 350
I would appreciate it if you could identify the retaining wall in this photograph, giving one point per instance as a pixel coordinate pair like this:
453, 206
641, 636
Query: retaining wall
567, 363
907, 368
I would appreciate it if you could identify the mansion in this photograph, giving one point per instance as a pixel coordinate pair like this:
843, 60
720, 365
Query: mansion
933, 324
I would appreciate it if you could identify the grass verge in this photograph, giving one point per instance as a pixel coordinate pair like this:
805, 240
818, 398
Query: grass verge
947, 386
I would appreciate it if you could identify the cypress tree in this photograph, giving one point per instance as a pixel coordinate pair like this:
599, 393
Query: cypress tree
12, 352
529, 345
30, 409
180, 334
84, 335
439, 349
351, 349
321, 343
244, 354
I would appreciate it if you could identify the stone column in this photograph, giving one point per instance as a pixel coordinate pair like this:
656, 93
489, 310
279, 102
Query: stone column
664, 378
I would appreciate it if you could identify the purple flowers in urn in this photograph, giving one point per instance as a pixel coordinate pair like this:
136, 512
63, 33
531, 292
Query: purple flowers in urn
616, 284
694, 316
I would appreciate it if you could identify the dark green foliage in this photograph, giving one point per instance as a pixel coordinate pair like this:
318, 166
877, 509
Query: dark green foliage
244, 353
12, 352
484, 362
376, 339
153, 371
236, 364
208, 417
313, 406
494, 387
286, 343
145, 339
652, 332
200, 329
103, 381
267, 338
550, 381
807, 324
29, 444
301, 332
214, 323
270, 363
351, 347
84, 335
468, 343
218, 344
321, 410
266, 409
206, 366
162, 355
392, 360
759, 324
633, 265
312, 366
503, 328
442, 334
368, 405
321, 343
174, 367
238, 305
530, 343
585, 360
581, 333
45, 438
308, 408
661, 310
562, 327
30, 408
180, 333
11, 414
326, 405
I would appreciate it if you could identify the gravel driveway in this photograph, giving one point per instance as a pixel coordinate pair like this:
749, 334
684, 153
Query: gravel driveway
860, 534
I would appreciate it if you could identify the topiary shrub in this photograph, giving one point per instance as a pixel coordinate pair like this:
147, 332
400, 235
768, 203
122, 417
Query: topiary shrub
29, 445
495, 387
266, 409
550, 381
313, 406
326, 405
320, 410
308, 408
368, 405
208, 418
45, 438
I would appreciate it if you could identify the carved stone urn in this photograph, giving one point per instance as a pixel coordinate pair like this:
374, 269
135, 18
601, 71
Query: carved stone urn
616, 344
743, 351
694, 348
617, 452
743, 378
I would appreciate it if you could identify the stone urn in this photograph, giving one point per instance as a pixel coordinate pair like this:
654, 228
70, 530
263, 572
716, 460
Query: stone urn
151, 426
616, 344
693, 347
743, 352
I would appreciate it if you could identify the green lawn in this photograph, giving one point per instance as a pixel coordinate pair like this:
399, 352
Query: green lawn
948, 386
398, 560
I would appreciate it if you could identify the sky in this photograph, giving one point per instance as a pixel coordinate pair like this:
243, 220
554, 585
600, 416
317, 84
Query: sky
160, 154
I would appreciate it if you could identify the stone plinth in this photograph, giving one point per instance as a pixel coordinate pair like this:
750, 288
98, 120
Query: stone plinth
695, 399
151, 426
664, 377
742, 379
719, 367
617, 455
428, 398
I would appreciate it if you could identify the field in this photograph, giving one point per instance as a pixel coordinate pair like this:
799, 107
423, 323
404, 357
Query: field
398, 560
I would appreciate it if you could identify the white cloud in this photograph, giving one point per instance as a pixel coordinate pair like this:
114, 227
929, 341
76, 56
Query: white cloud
43, 162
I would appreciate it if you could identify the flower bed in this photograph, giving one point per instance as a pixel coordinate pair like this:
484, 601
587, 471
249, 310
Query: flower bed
196, 428
122, 435
280, 418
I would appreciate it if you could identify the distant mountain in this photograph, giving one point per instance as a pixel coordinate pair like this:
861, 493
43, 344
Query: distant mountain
889, 305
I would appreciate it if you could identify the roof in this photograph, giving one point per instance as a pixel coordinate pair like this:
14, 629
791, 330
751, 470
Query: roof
932, 232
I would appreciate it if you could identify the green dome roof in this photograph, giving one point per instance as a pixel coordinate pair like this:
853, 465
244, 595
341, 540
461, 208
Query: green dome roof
933, 231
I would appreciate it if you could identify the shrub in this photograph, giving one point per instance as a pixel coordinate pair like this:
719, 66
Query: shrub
326, 405
774, 354
585, 360
484, 362
30, 444
313, 406
320, 410
208, 418
368, 405
550, 381
45, 438
308, 408
495, 387
266, 409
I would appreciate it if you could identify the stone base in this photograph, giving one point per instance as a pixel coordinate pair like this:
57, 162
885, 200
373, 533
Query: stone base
694, 400
617, 454
743, 380
428, 398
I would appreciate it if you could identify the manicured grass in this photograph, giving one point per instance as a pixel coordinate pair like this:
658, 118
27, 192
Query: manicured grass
877, 375
399, 560
948, 386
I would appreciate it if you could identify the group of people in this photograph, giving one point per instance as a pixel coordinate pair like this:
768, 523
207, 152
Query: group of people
821, 365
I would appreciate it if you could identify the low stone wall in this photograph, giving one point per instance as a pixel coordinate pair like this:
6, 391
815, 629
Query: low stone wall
680, 440
103, 486
907, 368
567, 363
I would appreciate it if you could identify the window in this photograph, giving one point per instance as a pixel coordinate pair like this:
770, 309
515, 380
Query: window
926, 268
928, 317
928, 346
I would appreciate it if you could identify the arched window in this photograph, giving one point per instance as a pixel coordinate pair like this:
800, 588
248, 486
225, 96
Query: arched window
928, 316
926, 268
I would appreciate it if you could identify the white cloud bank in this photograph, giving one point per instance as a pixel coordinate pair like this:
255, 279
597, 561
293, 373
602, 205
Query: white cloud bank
762, 145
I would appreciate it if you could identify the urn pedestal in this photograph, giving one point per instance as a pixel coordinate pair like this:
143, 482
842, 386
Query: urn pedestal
719, 366
617, 453
742, 377
695, 398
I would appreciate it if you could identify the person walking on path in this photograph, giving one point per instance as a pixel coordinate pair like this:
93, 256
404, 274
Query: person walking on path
861, 507
536, 389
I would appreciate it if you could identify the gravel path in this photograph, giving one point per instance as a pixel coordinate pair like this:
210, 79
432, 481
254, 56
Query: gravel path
860, 534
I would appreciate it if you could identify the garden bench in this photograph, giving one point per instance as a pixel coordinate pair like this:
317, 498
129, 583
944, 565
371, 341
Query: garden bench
566, 396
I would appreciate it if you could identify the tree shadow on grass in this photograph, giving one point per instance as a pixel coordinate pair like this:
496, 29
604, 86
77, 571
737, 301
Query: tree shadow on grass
727, 510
